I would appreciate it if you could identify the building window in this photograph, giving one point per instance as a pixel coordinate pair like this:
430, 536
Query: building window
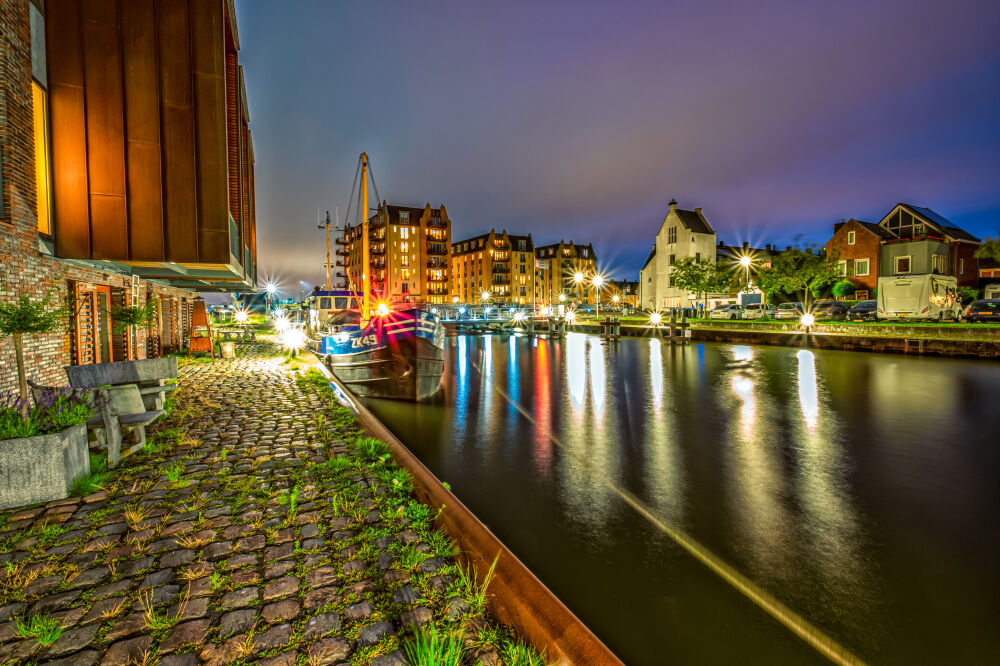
842, 268
902, 265
961, 266
404, 232
938, 264
861, 267
672, 258
672, 235
41, 116
850, 237
861, 294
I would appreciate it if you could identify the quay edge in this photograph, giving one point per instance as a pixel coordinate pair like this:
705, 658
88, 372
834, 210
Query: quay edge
517, 597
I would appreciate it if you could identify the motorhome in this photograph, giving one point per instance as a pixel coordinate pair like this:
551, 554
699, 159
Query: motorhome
992, 290
919, 297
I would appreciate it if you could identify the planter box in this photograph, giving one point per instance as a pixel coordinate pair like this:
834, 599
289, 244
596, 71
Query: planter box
42, 468
122, 372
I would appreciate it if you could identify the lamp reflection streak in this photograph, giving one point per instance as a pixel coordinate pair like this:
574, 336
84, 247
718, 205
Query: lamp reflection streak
808, 390
656, 371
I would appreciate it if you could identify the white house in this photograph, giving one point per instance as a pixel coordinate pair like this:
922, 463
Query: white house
684, 233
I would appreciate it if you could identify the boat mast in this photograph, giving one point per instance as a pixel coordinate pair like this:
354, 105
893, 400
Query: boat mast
365, 250
329, 286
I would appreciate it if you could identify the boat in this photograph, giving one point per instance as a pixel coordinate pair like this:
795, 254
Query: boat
393, 349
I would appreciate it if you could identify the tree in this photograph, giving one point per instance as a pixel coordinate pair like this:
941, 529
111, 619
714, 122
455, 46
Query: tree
843, 289
990, 249
799, 271
27, 316
701, 277
129, 317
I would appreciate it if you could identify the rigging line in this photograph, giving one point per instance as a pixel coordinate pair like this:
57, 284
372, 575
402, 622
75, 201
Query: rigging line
371, 172
792, 621
350, 199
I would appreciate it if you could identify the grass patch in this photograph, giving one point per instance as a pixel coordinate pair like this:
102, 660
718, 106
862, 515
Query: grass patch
42, 628
93, 482
434, 647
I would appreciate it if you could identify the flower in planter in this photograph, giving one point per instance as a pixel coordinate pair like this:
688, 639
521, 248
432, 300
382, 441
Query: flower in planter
55, 410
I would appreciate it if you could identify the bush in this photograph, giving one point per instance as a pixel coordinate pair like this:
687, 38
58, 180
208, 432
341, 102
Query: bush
968, 294
843, 289
57, 409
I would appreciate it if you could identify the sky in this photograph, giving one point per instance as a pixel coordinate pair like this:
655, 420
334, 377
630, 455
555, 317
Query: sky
582, 120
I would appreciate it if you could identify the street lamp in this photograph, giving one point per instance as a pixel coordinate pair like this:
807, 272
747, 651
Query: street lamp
745, 262
598, 281
270, 289
578, 278
562, 298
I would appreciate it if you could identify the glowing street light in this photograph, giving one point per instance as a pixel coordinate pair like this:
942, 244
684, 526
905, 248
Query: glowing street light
615, 299
807, 320
294, 339
281, 324
461, 310
570, 316
745, 262
485, 296
562, 298
382, 310
241, 316
519, 316
598, 282
656, 319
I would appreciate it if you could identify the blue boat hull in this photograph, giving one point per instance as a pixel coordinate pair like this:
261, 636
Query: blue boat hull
399, 356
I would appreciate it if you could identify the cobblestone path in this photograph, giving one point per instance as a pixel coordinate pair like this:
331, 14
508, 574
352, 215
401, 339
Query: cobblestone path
257, 527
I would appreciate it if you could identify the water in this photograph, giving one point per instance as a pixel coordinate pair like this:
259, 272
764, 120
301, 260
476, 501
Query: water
861, 490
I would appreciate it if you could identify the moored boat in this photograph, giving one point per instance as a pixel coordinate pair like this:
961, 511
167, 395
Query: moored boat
389, 351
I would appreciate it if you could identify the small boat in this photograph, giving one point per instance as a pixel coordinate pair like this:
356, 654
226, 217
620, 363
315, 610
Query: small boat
392, 350
398, 355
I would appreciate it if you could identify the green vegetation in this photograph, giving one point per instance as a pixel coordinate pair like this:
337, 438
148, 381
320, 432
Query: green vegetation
429, 647
54, 411
25, 316
802, 272
702, 277
42, 628
93, 482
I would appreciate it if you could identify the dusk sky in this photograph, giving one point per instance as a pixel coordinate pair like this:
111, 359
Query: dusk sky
581, 120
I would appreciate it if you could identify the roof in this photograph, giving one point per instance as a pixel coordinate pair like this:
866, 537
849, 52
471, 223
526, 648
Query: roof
941, 221
876, 229
652, 254
694, 221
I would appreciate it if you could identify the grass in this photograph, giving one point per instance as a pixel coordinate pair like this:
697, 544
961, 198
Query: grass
291, 498
42, 628
432, 648
472, 590
173, 473
518, 653
95, 481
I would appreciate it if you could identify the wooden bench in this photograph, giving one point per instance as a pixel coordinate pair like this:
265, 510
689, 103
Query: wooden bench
149, 375
121, 407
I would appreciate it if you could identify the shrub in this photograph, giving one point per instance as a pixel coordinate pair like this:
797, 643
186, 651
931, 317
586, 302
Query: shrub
56, 410
843, 289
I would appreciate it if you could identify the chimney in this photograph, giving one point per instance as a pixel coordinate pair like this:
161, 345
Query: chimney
698, 210
746, 245
768, 247
673, 204
788, 248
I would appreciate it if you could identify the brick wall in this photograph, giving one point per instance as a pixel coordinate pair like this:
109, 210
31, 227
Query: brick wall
24, 268
866, 246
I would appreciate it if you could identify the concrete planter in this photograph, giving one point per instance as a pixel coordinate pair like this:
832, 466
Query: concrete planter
122, 372
42, 468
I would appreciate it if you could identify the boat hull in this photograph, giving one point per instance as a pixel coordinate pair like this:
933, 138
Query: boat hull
400, 356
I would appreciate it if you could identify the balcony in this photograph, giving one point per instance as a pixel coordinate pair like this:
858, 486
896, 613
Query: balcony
437, 249
342, 241
437, 292
443, 278
499, 279
343, 253
437, 263
501, 269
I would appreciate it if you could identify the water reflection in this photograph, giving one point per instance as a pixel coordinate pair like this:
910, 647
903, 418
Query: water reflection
852, 486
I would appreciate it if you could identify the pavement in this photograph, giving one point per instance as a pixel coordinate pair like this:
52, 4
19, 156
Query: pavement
258, 527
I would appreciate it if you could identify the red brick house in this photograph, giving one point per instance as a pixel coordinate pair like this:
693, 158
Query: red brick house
856, 245
126, 170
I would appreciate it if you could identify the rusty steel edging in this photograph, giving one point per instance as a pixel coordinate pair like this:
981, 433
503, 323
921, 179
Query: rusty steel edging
516, 597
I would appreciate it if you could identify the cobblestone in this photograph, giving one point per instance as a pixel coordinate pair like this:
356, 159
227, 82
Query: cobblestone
284, 538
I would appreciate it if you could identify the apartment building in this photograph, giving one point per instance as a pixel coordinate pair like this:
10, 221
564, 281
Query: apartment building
494, 267
127, 170
408, 250
557, 269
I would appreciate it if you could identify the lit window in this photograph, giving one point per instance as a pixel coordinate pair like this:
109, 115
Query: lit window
404, 232
39, 102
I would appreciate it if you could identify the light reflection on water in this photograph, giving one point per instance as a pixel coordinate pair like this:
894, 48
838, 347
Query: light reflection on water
834, 480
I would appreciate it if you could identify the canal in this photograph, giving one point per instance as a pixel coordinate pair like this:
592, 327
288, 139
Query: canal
860, 490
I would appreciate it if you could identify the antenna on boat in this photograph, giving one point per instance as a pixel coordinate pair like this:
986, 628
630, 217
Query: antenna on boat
327, 226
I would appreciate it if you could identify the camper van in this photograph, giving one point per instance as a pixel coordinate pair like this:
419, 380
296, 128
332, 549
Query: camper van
921, 297
992, 290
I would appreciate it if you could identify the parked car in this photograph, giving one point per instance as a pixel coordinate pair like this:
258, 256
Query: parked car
759, 311
864, 311
727, 312
791, 310
834, 310
987, 309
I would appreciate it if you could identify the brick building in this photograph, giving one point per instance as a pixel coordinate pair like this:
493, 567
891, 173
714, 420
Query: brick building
856, 245
500, 264
925, 242
557, 265
408, 250
127, 170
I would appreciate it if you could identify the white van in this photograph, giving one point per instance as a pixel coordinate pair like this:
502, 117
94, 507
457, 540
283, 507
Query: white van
991, 290
920, 297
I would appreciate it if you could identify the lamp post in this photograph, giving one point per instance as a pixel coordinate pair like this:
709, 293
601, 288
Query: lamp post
745, 262
270, 289
485, 298
598, 282
578, 279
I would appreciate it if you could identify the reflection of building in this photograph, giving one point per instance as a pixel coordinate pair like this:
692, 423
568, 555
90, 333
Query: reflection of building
924, 242
408, 253
127, 170
856, 245
683, 234
555, 269
496, 263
